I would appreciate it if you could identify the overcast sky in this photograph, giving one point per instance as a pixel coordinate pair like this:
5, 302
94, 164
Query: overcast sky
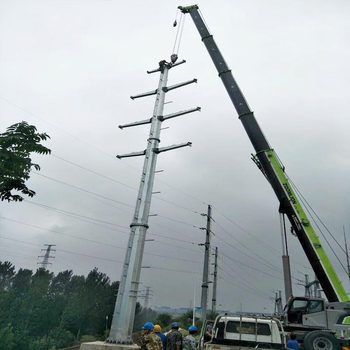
69, 67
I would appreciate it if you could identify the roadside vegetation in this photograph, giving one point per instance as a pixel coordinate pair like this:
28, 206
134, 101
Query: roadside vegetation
44, 311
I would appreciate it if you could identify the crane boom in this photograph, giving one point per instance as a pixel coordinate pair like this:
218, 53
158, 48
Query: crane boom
269, 163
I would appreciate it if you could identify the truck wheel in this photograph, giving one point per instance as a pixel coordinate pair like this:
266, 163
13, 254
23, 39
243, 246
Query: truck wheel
318, 340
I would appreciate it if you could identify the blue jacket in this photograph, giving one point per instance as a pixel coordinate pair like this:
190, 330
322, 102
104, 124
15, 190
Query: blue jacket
162, 337
293, 344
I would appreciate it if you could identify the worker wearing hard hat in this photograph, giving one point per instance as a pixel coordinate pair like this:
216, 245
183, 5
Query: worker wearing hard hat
190, 342
148, 340
162, 336
174, 338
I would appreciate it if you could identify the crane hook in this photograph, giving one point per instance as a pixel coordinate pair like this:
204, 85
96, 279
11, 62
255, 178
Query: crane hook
173, 58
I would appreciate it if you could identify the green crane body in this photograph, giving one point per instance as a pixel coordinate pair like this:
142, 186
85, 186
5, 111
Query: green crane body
269, 164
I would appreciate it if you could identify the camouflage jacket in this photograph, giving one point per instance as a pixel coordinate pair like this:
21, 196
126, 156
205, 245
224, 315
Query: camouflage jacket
174, 340
150, 342
190, 343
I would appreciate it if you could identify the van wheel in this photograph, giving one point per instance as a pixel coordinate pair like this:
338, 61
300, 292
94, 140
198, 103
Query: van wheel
318, 340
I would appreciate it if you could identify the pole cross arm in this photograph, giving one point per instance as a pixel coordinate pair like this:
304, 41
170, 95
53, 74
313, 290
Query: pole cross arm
133, 154
168, 88
169, 148
149, 93
153, 71
170, 65
177, 114
178, 63
141, 122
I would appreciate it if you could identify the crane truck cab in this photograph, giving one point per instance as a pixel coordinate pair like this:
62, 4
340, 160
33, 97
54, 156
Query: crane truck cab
310, 314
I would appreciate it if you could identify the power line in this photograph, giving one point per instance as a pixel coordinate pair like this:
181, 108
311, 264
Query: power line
247, 232
241, 285
89, 240
255, 258
249, 267
115, 181
75, 215
94, 172
83, 190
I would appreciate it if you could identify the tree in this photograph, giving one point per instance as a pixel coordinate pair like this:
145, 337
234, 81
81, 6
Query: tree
16, 146
164, 319
7, 272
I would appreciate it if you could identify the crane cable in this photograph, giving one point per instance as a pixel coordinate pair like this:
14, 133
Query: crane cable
311, 211
178, 37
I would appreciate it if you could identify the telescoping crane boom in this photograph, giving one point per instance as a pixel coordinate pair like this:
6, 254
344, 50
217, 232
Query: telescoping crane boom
270, 165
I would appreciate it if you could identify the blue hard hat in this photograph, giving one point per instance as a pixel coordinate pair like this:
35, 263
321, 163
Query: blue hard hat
193, 329
175, 325
148, 326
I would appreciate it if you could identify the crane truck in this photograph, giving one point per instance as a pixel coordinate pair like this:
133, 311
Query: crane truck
319, 324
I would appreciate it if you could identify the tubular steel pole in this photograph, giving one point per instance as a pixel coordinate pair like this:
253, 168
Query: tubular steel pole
285, 260
124, 312
213, 300
205, 282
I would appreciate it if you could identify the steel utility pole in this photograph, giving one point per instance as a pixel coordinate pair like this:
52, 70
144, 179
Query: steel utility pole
278, 303
215, 274
124, 312
45, 262
285, 260
205, 281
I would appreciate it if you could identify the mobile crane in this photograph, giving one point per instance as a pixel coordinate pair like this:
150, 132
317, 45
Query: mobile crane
315, 321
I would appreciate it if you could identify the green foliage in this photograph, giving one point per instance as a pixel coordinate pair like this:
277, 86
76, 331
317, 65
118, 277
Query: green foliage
185, 319
87, 338
43, 311
7, 338
164, 320
142, 316
16, 146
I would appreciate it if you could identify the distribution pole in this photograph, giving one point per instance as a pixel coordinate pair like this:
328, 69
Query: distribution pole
205, 281
278, 303
307, 286
45, 262
147, 297
124, 311
285, 260
317, 289
215, 274
194, 307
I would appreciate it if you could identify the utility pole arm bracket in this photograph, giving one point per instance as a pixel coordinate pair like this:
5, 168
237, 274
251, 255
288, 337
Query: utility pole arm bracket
141, 122
150, 93
177, 114
166, 89
133, 154
169, 148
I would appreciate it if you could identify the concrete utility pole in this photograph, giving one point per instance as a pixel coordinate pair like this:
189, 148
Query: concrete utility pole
45, 262
215, 274
278, 303
205, 281
124, 312
285, 260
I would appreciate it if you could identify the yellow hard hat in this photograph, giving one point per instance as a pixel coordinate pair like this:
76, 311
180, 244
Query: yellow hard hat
157, 328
